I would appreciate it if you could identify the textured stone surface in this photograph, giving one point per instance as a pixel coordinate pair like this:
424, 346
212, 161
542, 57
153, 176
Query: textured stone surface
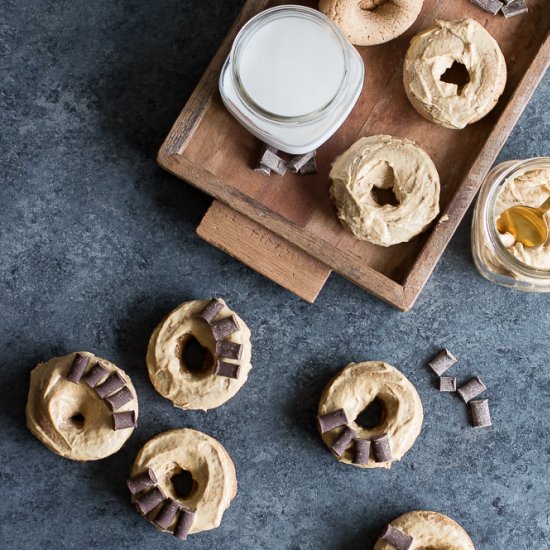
97, 244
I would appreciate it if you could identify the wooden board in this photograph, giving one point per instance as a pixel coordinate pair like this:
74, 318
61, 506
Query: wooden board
209, 149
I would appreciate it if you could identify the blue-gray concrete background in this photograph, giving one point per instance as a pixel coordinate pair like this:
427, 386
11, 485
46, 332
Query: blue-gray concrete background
97, 244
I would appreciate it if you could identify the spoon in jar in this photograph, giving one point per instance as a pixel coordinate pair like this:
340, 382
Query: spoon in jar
525, 223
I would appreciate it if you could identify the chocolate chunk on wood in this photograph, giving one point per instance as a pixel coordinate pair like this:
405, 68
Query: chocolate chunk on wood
185, 520
395, 537
309, 168
97, 372
111, 385
229, 370
225, 327
447, 383
492, 6
167, 513
382, 448
329, 421
79, 366
511, 9
229, 350
295, 164
211, 310
142, 481
124, 420
150, 500
481, 417
471, 389
343, 441
362, 451
442, 361
119, 399
271, 160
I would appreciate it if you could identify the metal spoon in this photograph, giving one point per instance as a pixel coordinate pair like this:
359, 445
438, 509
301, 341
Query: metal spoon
525, 223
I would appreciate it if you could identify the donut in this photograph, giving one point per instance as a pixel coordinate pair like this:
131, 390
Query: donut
370, 22
352, 391
429, 530
227, 353
387, 163
214, 482
80, 406
432, 52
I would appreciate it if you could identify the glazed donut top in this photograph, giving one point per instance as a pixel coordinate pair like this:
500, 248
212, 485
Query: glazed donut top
430, 530
434, 50
385, 162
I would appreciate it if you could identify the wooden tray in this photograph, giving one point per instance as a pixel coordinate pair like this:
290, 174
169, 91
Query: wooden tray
285, 227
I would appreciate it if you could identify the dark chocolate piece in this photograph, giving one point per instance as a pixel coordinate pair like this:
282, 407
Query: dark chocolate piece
111, 385
211, 310
224, 327
150, 500
382, 448
442, 361
343, 441
395, 537
511, 9
309, 168
79, 366
471, 389
272, 161
229, 370
329, 421
184, 523
97, 372
481, 417
229, 350
142, 481
447, 383
124, 420
119, 399
167, 513
492, 6
362, 451
295, 164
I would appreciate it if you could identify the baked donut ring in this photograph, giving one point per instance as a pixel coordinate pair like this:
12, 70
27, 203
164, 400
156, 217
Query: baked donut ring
171, 453
353, 390
226, 365
435, 50
88, 418
385, 162
430, 530
369, 22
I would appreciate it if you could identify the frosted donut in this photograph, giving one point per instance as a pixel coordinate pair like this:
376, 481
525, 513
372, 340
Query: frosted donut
433, 51
81, 407
355, 388
429, 530
369, 22
227, 353
213, 487
385, 162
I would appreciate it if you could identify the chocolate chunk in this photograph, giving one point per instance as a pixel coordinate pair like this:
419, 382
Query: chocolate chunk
97, 372
471, 389
142, 481
229, 370
167, 513
150, 500
343, 440
362, 451
80, 364
382, 448
481, 417
184, 523
295, 164
442, 361
309, 168
225, 327
511, 9
395, 537
327, 422
229, 350
111, 385
124, 420
447, 383
272, 161
119, 399
211, 310
492, 6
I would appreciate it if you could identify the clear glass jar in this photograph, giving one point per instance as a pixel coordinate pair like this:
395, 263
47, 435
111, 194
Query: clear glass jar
303, 108
493, 260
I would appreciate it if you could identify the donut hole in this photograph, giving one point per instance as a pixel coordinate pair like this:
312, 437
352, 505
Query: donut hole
371, 5
183, 483
194, 357
383, 189
76, 421
373, 415
458, 75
